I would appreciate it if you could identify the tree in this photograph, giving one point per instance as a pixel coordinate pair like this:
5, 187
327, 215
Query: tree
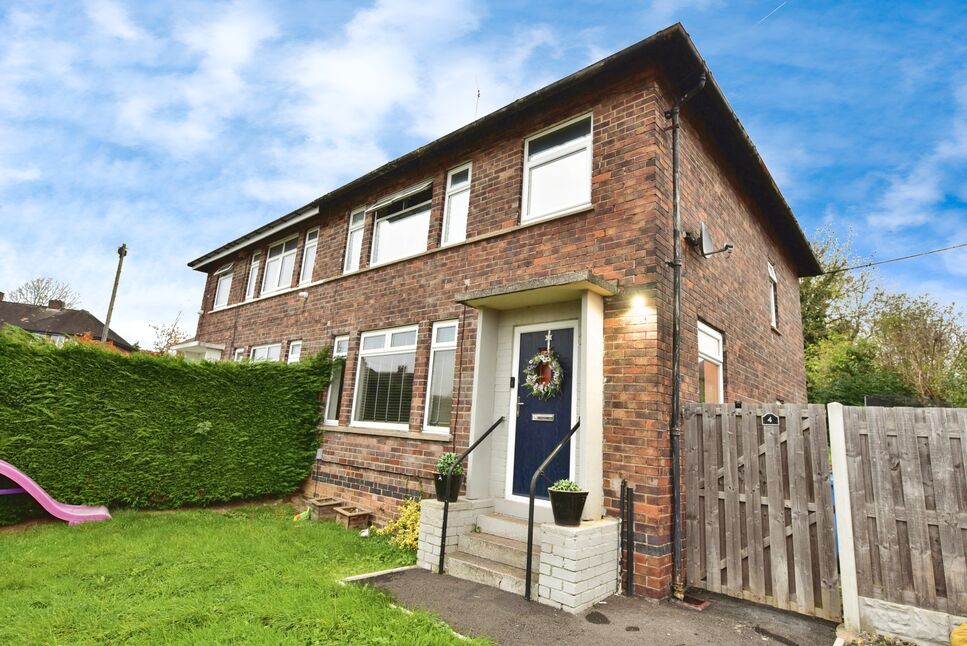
923, 342
167, 335
40, 291
837, 302
846, 370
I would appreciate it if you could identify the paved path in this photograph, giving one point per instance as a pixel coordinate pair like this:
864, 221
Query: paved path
477, 610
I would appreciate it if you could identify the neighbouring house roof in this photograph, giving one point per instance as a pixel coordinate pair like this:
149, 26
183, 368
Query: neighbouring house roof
675, 53
45, 320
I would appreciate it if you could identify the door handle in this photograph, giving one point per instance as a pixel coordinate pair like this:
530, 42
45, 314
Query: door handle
520, 403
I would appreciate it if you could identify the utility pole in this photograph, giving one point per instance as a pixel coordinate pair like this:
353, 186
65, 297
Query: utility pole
122, 252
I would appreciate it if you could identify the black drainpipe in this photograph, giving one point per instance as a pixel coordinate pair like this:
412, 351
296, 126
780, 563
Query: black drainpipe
678, 584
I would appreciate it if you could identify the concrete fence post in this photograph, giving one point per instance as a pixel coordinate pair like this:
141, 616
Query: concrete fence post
844, 518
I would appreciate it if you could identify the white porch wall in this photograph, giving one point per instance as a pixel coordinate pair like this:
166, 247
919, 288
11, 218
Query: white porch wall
504, 370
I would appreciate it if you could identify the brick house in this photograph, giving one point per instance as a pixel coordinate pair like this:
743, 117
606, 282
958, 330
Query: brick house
547, 222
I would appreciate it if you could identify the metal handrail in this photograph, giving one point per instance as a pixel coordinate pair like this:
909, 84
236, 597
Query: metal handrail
446, 502
530, 511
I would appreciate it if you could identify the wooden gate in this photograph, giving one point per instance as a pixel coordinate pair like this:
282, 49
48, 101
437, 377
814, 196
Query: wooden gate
759, 506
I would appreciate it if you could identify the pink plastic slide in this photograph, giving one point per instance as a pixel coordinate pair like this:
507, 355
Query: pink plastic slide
73, 514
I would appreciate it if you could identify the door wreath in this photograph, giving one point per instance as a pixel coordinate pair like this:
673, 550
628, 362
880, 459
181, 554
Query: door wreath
544, 375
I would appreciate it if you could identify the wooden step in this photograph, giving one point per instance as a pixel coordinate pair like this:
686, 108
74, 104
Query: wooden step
499, 549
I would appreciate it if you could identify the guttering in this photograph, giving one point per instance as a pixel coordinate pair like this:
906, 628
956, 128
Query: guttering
675, 432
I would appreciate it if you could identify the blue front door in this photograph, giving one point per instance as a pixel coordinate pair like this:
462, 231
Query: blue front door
542, 423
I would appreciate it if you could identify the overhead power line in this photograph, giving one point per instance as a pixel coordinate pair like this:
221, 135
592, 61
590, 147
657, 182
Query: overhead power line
883, 262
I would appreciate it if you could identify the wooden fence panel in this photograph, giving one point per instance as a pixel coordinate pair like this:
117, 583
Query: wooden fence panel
759, 506
909, 498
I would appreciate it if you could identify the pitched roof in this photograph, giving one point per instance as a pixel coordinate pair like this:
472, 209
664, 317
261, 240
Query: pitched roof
44, 320
678, 58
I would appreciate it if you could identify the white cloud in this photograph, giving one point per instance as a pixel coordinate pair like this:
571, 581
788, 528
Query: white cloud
184, 112
112, 18
10, 176
915, 197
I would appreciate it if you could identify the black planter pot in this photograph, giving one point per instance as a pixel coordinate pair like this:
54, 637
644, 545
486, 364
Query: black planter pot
440, 481
567, 507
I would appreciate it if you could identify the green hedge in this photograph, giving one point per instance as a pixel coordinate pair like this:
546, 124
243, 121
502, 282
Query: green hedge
96, 427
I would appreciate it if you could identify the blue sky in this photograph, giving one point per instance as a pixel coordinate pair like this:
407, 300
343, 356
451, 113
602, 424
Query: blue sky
176, 127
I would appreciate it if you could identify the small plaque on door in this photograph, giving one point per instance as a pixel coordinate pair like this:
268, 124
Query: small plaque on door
542, 417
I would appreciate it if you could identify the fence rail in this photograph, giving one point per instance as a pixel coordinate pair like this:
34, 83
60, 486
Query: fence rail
759, 511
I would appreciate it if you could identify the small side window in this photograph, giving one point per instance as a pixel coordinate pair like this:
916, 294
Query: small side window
223, 286
354, 241
457, 205
711, 358
773, 297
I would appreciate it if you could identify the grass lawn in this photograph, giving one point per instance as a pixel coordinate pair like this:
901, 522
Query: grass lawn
249, 576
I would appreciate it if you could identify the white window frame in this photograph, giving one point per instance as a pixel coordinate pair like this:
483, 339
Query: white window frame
336, 353
225, 272
253, 275
426, 205
385, 350
239, 354
773, 296
525, 215
718, 360
266, 347
297, 344
435, 346
350, 264
280, 285
309, 262
446, 240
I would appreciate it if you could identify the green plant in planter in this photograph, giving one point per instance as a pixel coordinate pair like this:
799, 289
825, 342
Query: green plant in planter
565, 485
445, 461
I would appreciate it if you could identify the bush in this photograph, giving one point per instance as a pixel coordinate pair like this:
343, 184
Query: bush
444, 462
96, 427
405, 530
565, 485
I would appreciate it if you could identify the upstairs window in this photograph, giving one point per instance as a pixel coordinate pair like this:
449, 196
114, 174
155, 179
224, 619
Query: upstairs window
354, 241
773, 296
271, 352
239, 354
295, 352
309, 257
223, 285
402, 225
439, 391
711, 358
457, 205
384, 380
253, 275
279, 265
557, 170
340, 350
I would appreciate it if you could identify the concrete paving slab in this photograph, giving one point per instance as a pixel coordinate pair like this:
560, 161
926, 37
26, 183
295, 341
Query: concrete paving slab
480, 611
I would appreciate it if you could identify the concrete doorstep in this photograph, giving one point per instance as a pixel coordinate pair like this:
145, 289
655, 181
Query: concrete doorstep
477, 610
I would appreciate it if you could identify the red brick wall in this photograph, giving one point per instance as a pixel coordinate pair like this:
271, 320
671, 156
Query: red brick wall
625, 237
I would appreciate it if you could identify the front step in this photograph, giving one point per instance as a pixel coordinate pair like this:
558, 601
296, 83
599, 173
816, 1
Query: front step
500, 549
487, 572
507, 527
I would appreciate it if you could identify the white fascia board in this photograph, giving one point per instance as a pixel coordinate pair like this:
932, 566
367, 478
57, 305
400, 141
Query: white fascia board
248, 241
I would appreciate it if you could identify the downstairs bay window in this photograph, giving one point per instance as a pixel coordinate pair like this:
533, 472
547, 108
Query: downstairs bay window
340, 350
384, 378
271, 352
439, 391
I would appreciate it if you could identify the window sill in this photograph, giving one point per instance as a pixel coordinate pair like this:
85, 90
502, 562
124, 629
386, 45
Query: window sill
380, 432
556, 214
